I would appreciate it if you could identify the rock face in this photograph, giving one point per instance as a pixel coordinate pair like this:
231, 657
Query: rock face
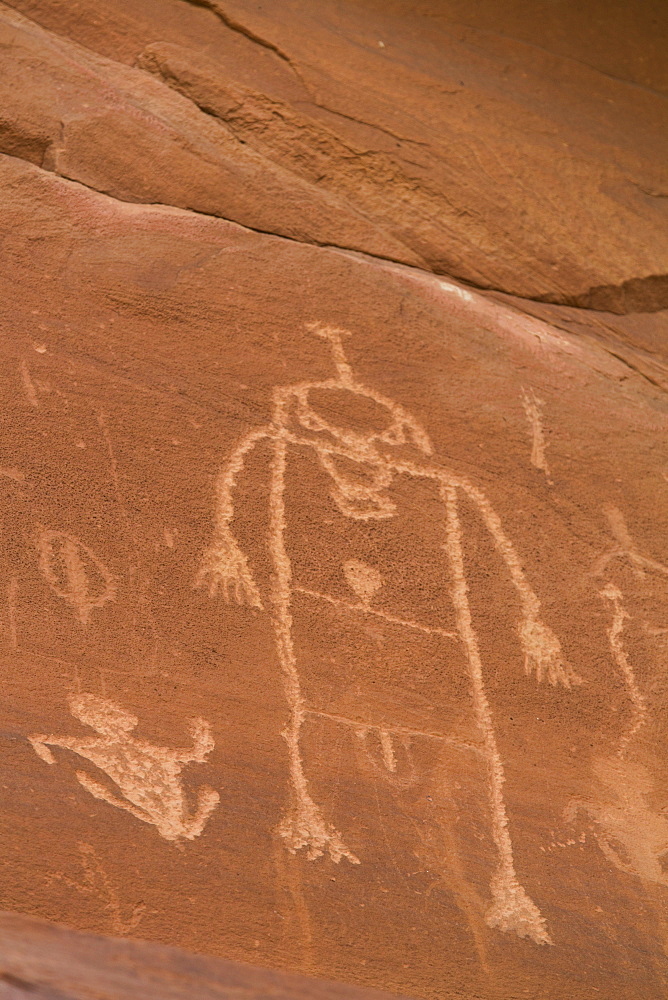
52, 963
406, 137
335, 588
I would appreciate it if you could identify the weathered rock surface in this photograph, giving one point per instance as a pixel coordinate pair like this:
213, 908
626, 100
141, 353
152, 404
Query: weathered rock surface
405, 136
335, 611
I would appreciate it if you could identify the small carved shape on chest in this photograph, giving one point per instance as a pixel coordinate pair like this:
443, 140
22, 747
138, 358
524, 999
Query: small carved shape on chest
364, 580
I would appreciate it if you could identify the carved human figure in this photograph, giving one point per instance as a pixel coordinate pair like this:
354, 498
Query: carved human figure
147, 777
362, 464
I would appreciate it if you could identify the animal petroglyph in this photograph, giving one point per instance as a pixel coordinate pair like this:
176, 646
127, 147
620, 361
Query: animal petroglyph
619, 615
624, 548
397, 447
631, 835
148, 777
74, 573
533, 409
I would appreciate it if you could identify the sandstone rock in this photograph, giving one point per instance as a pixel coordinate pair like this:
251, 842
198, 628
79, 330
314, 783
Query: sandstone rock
52, 963
334, 615
403, 136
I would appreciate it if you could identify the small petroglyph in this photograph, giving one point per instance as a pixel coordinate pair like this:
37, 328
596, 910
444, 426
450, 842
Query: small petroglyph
97, 883
623, 818
439, 851
364, 580
147, 777
74, 573
533, 408
387, 747
362, 461
362, 730
365, 609
619, 615
624, 548
28, 385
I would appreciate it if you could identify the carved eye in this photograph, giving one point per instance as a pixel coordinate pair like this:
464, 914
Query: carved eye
310, 421
394, 435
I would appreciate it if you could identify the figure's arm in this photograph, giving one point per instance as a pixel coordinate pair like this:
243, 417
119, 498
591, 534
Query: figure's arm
41, 745
224, 564
542, 649
102, 793
202, 744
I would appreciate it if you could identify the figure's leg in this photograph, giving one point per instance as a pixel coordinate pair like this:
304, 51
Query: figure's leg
207, 800
612, 856
100, 792
304, 825
511, 909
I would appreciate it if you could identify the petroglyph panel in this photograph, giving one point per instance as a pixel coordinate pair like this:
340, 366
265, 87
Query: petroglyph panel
317, 663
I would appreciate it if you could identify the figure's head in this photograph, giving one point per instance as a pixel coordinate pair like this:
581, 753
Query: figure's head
358, 419
347, 412
102, 715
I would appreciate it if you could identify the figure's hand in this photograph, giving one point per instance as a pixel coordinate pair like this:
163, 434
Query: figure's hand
542, 654
203, 743
225, 566
41, 749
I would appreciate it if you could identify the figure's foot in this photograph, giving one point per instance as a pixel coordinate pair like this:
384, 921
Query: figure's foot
514, 912
207, 801
304, 826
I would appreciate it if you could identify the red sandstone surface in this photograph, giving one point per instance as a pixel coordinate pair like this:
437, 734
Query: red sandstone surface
334, 623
